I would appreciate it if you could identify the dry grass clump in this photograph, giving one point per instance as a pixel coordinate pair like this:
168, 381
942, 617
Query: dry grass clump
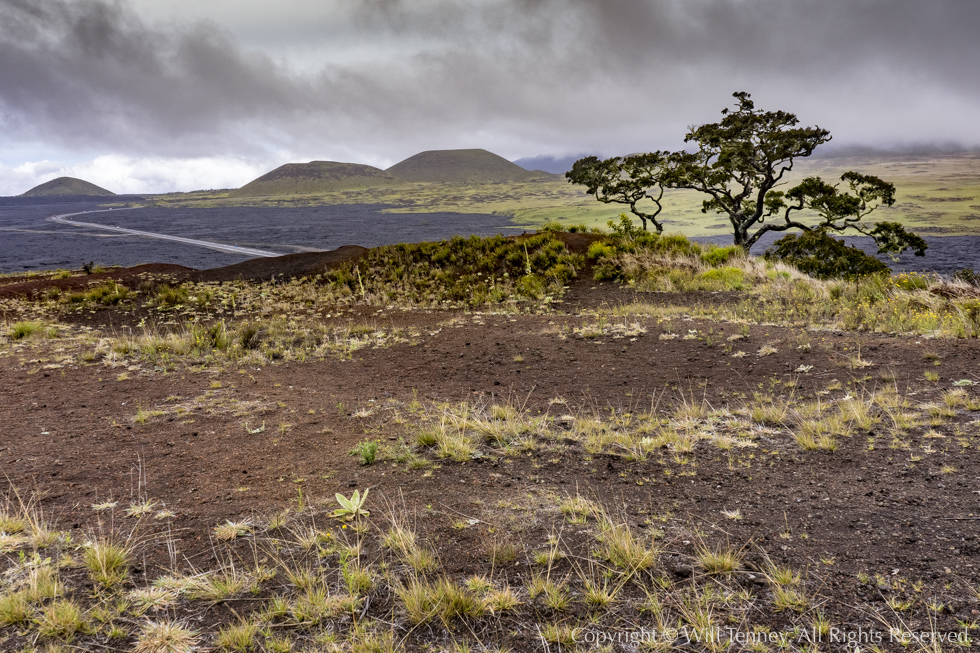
720, 559
166, 636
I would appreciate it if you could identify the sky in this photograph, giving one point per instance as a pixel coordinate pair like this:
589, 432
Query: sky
144, 96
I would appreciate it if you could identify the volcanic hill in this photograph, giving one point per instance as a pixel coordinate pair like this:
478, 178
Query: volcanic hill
317, 177
461, 166
67, 186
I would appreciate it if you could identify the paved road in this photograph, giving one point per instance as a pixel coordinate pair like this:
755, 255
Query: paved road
231, 249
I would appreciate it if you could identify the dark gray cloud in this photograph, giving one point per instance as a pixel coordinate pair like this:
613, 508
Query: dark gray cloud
522, 77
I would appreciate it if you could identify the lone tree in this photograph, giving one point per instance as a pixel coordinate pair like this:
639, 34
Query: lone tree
627, 180
739, 162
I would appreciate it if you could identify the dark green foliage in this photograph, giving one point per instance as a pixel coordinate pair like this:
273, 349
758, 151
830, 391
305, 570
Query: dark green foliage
893, 239
625, 180
969, 276
821, 256
249, 336
469, 271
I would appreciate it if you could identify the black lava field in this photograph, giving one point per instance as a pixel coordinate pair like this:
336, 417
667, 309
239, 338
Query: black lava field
29, 242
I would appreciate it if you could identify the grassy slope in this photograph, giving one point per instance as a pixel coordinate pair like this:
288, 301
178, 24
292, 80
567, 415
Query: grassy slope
937, 194
460, 166
316, 177
67, 186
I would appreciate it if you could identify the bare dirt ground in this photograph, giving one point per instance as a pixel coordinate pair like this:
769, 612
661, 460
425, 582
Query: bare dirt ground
69, 435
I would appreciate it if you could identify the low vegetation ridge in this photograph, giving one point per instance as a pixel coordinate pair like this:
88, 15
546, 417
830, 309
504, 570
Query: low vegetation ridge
67, 186
317, 177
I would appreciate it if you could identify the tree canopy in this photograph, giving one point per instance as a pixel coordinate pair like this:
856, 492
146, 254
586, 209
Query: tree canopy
739, 162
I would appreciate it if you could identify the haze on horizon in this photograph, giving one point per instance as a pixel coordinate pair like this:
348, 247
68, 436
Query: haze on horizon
143, 96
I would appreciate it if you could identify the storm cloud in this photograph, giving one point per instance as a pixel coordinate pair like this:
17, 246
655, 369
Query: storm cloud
377, 80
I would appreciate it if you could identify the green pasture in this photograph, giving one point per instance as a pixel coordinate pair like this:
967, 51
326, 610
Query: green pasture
936, 195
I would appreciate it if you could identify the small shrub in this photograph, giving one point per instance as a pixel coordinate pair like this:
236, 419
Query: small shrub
168, 297
367, 451
716, 256
821, 256
110, 294
212, 337
599, 250
968, 275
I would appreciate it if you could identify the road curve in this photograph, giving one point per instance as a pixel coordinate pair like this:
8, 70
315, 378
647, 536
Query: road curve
231, 249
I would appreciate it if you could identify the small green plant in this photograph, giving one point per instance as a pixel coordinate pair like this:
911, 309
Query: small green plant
353, 507
367, 451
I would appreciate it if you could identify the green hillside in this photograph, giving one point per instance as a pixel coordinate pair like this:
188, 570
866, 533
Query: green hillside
461, 166
317, 177
67, 186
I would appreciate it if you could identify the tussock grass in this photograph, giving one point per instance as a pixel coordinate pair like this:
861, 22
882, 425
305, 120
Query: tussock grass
238, 637
15, 608
720, 559
577, 509
62, 619
226, 582
29, 329
623, 547
107, 561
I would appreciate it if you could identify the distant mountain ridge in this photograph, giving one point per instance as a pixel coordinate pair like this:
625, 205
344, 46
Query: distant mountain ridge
474, 166
555, 165
317, 177
67, 186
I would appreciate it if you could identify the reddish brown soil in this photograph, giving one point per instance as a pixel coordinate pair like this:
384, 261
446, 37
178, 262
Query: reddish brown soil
70, 435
